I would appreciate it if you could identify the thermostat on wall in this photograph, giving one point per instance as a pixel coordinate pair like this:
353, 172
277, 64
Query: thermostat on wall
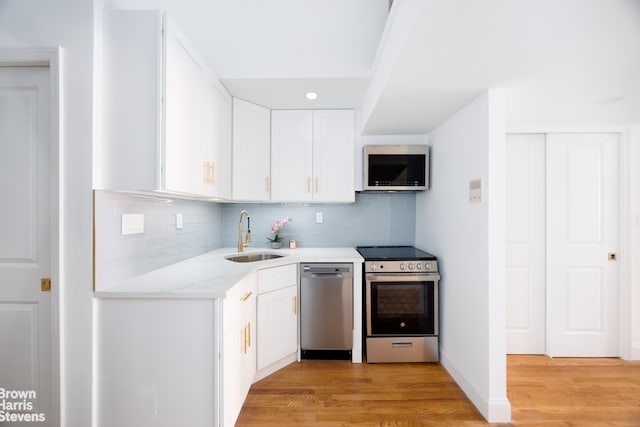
475, 191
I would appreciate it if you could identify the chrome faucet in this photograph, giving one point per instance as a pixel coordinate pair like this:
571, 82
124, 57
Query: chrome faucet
241, 245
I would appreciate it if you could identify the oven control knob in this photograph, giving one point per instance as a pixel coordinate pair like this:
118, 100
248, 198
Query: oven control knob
411, 266
419, 266
402, 324
403, 266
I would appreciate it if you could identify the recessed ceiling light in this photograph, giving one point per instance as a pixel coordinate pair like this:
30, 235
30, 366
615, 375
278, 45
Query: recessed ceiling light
312, 96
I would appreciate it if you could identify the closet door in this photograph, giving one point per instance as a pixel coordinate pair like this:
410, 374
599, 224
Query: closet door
562, 244
582, 230
525, 293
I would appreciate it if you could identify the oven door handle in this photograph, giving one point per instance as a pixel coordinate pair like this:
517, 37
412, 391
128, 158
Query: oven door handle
404, 277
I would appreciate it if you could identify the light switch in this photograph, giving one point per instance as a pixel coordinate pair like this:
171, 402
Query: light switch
178, 221
132, 224
319, 218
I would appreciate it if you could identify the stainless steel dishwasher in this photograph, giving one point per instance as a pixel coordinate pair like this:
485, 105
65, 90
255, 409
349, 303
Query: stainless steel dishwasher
326, 311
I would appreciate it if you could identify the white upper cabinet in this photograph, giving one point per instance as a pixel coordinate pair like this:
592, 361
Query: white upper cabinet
312, 155
334, 156
221, 159
166, 118
291, 155
251, 151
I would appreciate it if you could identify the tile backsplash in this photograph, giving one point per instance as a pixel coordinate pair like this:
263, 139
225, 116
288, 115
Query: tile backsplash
374, 219
118, 257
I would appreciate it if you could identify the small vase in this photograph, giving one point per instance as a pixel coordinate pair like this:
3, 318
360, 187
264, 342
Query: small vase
276, 245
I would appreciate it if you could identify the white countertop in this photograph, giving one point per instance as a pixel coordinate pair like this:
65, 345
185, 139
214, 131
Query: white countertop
210, 275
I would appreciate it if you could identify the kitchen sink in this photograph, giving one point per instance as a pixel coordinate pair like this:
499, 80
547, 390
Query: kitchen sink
253, 257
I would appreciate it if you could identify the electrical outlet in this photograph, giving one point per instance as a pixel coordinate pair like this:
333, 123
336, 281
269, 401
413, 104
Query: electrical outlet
178, 221
319, 218
132, 224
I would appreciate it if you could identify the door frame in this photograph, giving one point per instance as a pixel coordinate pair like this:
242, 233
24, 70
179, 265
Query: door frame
625, 327
49, 57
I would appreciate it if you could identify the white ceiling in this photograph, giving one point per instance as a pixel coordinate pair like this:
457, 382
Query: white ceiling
272, 52
564, 62
569, 62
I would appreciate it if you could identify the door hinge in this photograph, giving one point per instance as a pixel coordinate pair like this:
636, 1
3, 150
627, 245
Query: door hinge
45, 284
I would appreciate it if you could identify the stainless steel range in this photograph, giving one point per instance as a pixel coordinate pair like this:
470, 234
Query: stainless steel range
401, 304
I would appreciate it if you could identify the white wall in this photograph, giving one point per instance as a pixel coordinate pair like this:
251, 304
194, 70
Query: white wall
634, 241
69, 24
469, 240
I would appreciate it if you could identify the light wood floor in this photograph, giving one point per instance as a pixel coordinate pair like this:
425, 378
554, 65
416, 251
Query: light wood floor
542, 391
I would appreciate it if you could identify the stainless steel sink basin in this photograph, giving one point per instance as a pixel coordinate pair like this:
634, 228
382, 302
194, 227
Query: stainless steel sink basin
252, 257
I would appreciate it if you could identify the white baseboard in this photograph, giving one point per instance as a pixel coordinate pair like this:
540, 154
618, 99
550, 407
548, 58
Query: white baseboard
635, 352
493, 410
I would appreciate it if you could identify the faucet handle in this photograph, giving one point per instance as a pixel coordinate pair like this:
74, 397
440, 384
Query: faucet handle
248, 238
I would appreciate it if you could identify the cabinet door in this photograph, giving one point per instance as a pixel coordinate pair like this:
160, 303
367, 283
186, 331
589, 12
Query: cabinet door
251, 151
127, 155
334, 156
278, 325
221, 158
187, 123
233, 344
291, 155
239, 347
249, 359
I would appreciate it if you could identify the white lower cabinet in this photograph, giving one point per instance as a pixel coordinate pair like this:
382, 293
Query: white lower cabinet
155, 362
168, 362
277, 318
239, 347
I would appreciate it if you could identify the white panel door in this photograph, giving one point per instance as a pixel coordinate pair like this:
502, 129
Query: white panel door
526, 272
582, 290
25, 311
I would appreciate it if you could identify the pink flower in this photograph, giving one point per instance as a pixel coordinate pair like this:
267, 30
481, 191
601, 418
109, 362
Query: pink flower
279, 224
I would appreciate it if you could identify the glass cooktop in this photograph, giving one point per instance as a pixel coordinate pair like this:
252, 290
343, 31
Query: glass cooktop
393, 253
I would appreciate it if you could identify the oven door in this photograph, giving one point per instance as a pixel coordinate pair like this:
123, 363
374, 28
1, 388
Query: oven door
401, 304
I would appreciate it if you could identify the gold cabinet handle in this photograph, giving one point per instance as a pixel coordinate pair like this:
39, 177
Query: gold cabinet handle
295, 305
246, 296
213, 174
205, 173
266, 184
308, 184
249, 333
317, 179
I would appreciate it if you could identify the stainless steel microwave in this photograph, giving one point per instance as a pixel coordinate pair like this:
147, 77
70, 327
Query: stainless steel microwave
396, 167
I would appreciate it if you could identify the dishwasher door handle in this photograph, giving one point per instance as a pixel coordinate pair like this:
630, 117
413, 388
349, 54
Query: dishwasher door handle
328, 275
